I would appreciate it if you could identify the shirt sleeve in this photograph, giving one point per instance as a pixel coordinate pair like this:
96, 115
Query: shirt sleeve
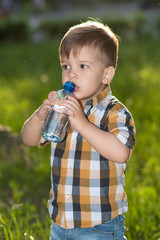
121, 124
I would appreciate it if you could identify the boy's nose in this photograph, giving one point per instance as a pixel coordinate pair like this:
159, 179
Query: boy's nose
73, 74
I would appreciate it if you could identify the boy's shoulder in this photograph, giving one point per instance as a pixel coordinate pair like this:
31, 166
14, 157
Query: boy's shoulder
114, 104
115, 107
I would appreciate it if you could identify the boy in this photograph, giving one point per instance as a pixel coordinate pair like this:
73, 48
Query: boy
87, 199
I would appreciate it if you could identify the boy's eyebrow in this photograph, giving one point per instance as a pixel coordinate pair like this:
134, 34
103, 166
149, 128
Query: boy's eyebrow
86, 61
81, 61
64, 60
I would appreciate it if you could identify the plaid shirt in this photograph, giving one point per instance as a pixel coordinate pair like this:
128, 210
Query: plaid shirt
88, 189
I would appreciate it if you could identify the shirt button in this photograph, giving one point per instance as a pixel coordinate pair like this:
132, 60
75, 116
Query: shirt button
69, 170
68, 196
73, 142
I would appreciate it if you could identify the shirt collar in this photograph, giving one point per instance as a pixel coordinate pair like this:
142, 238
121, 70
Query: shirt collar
100, 97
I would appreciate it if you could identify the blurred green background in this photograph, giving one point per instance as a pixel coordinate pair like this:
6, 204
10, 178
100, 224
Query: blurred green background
30, 33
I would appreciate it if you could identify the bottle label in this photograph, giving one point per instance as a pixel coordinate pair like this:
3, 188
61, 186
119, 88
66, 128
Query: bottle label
60, 109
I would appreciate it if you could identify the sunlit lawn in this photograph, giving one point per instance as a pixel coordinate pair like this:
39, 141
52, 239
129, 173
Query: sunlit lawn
27, 73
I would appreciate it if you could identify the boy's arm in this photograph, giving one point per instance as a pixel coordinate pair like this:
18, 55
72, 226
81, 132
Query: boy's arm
106, 143
31, 131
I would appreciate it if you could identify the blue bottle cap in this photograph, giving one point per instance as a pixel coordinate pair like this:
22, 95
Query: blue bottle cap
69, 87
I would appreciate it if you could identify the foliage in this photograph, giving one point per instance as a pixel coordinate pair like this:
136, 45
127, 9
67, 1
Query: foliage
133, 27
27, 73
13, 30
23, 27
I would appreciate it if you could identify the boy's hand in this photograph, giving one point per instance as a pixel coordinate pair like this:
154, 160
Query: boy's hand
43, 109
74, 110
31, 131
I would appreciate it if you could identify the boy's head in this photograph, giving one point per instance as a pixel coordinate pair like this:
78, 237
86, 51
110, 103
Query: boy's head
91, 34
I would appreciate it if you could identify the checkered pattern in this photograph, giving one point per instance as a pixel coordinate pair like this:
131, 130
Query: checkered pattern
88, 189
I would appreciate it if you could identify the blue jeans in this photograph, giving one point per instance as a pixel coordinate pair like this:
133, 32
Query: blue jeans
110, 230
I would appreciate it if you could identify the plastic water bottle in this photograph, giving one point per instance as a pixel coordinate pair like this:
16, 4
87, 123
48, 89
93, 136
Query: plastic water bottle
56, 122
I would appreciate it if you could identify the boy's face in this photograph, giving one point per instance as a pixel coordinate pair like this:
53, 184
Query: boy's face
86, 70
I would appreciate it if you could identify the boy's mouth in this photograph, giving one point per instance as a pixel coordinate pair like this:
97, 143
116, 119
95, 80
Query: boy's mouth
76, 88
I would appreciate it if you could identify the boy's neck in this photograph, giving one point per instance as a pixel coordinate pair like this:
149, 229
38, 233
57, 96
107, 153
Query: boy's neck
83, 102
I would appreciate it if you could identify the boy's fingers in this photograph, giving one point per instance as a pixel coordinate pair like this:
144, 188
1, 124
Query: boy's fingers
49, 102
70, 107
73, 99
71, 112
70, 102
51, 94
45, 107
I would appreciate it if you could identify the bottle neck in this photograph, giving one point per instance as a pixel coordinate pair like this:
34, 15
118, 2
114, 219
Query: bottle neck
69, 87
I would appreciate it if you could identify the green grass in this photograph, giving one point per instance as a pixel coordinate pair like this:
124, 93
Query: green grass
27, 73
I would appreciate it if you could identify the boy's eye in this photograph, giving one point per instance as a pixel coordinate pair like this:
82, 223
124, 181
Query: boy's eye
65, 66
84, 66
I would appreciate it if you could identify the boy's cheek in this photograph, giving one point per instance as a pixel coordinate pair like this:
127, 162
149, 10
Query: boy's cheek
64, 80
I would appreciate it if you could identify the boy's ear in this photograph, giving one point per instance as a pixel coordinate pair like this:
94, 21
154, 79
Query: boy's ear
108, 74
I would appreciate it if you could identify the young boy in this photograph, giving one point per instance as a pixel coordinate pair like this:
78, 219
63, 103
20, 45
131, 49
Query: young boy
87, 199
